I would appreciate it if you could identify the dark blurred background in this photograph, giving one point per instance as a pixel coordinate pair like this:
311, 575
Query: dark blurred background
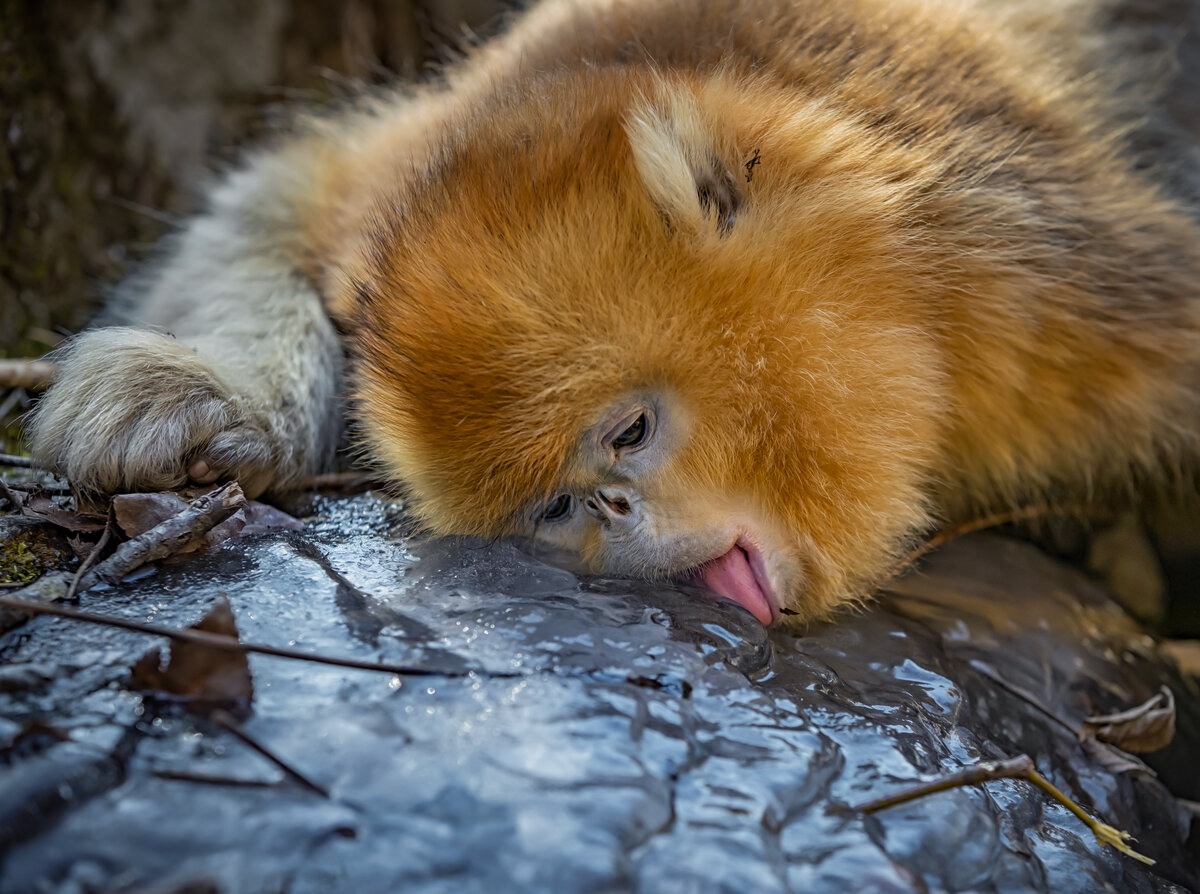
113, 113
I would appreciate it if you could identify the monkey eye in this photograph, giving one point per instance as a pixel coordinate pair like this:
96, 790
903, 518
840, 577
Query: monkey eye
558, 509
634, 435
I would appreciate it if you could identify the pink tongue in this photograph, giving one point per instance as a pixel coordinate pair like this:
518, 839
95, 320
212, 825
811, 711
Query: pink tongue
730, 576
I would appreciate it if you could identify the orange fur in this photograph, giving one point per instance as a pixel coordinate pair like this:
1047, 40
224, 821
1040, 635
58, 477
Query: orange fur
946, 286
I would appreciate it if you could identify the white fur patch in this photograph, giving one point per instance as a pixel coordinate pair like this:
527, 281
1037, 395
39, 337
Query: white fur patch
671, 145
248, 384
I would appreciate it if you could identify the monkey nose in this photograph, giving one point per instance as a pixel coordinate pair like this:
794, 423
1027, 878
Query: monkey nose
610, 503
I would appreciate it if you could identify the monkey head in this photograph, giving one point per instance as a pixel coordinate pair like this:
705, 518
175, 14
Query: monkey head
668, 328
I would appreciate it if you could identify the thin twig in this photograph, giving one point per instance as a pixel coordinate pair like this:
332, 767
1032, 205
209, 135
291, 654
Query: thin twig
13, 492
1019, 767
146, 211
342, 481
211, 779
229, 644
20, 462
91, 557
167, 538
172, 536
226, 721
30, 373
12, 499
1024, 695
993, 520
11, 584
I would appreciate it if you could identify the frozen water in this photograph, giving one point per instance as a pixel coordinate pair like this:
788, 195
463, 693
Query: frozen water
584, 735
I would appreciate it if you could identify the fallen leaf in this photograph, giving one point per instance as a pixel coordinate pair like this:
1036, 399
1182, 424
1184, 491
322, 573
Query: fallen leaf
261, 517
12, 496
41, 506
1148, 727
201, 677
138, 513
80, 547
1114, 760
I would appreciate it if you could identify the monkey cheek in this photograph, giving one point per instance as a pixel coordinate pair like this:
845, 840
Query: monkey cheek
791, 585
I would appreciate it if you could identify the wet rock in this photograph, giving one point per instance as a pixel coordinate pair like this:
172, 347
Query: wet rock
611, 737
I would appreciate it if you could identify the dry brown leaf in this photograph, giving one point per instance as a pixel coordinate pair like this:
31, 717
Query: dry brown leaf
1114, 760
81, 547
202, 677
138, 513
1148, 727
41, 506
261, 517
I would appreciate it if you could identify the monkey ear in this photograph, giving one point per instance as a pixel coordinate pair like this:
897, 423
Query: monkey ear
673, 151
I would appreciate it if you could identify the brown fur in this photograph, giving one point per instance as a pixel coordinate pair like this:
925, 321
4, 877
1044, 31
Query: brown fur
946, 287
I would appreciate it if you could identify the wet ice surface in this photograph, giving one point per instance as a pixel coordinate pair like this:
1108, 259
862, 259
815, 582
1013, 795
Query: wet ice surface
648, 741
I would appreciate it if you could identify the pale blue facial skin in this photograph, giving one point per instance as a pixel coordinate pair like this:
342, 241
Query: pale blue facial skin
624, 511
628, 443
616, 458
616, 516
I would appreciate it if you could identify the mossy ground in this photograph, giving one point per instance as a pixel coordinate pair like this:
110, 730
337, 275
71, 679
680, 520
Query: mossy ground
28, 549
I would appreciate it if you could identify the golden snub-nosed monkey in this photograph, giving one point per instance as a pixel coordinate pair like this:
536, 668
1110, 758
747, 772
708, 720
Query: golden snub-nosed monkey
744, 292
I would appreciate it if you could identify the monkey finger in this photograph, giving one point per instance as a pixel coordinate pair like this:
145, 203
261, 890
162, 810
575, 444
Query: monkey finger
201, 472
242, 454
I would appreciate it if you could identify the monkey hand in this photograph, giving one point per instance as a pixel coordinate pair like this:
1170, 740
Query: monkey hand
134, 410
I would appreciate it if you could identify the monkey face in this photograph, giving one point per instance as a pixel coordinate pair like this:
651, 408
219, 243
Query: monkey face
629, 508
576, 327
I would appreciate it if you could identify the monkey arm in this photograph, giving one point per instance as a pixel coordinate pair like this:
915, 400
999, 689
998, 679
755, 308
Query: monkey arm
234, 368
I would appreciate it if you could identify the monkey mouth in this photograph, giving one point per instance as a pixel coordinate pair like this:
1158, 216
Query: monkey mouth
740, 576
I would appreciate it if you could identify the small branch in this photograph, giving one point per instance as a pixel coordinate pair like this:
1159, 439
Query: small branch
226, 721
153, 213
29, 373
229, 644
14, 492
15, 396
340, 481
20, 462
171, 536
211, 779
91, 558
1020, 767
987, 771
995, 519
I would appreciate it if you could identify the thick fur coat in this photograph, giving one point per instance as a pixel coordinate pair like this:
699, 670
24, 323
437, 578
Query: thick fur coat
889, 261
